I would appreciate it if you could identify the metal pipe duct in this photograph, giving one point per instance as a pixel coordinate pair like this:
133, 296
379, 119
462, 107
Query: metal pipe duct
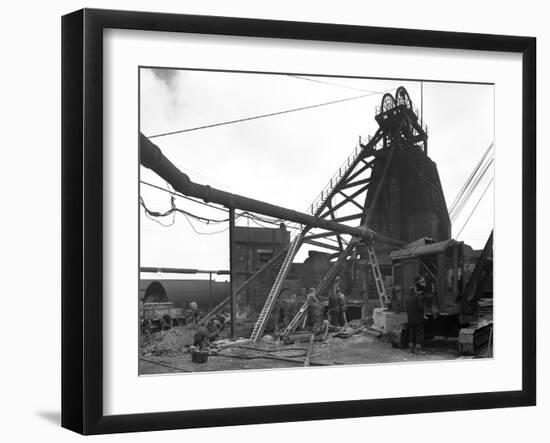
152, 157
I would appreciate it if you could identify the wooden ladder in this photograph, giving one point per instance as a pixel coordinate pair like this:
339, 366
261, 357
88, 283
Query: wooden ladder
379, 281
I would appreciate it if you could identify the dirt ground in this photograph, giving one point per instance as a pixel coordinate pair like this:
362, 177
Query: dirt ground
168, 352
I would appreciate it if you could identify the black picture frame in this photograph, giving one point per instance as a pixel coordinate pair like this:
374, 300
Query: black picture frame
82, 220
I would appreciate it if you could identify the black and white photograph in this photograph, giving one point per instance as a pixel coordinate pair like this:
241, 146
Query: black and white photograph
290, 220
255, 221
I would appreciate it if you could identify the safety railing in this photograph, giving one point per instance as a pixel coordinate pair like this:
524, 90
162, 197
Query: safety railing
335, 179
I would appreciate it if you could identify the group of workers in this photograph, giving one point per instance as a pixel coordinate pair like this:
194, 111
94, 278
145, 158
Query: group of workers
336, 310
421, 297
316, 312
421, 294
419, 301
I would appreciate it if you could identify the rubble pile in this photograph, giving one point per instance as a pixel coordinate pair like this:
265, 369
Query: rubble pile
172, 342
176, 340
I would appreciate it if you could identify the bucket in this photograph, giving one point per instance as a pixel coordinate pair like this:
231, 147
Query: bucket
199, 356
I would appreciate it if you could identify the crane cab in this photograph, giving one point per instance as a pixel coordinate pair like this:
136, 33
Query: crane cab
445, 264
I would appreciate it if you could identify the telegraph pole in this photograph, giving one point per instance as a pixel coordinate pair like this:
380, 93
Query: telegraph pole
232, 267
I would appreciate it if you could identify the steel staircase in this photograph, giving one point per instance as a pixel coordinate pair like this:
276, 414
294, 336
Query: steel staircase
359, 150
276, 289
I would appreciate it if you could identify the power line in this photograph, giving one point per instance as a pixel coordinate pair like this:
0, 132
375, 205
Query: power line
471, 183
186, 214
476, 168
256, 218
177, 194
174, 209
334, 84
461, 204
199, 232
152, 218
256, 222
271, 114
475, 207
469, 179
242, 214
471, 190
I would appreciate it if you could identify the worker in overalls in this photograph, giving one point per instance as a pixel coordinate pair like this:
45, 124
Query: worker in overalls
336, 287
430, 305
312, 302
332, 308
415, 305
342, 319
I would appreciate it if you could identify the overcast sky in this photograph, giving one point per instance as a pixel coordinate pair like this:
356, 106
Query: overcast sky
287, 159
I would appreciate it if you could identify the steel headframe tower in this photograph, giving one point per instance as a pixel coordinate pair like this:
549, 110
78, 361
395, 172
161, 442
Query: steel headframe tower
344, 198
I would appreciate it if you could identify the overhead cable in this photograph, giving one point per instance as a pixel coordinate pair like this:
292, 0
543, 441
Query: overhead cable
475, 207
316, 80
456, 213
270, 114
176, 209
244, 214
469, 179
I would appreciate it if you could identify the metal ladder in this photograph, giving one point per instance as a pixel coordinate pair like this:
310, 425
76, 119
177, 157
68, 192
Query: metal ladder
275, 290
373, 263
275, 262
296, 320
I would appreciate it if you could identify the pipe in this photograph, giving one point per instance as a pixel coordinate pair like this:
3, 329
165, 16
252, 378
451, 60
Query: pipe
152, 157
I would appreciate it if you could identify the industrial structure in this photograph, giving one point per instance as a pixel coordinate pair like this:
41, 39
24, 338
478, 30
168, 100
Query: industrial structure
381, 220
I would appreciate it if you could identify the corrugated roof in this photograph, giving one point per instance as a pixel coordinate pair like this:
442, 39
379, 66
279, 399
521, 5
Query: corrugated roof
182, 292
432, 248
